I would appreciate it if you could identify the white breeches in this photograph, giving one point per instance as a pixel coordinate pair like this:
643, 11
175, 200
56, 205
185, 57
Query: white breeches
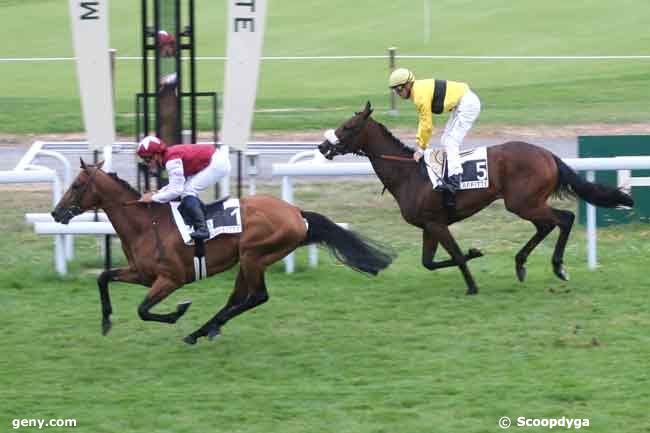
460, 122
219, 167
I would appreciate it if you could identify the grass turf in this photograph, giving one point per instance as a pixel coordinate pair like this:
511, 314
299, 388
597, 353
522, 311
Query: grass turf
334, 350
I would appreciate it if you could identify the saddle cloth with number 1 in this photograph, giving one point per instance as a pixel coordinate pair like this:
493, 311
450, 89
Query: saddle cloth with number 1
474, 163
221, 217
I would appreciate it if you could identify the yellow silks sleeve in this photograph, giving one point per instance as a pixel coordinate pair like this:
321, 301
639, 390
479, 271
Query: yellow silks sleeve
422, 94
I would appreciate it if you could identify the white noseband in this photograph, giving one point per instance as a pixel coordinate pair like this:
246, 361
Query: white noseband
330, 136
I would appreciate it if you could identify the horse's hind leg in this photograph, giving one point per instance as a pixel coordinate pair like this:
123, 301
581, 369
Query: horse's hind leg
212, 327
566, 223
545, 219
161, 288
520, 259
250, 291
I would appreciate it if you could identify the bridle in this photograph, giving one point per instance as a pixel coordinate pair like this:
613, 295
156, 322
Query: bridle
75, 208
340, 147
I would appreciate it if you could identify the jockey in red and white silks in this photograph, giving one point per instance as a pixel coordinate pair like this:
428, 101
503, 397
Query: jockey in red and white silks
191, 168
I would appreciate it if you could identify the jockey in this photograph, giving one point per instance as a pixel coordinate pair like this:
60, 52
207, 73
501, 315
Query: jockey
437, 96
191, 169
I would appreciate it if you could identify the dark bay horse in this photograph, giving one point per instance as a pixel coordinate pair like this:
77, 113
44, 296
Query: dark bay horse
158, 258
521, 174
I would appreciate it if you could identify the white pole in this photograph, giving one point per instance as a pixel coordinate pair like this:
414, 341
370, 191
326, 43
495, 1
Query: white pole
427, 20
591, 228
90, 40
313, 255
287, 195
245, 37
224, 183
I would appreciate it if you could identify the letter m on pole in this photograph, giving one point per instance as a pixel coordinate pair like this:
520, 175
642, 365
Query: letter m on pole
91, 8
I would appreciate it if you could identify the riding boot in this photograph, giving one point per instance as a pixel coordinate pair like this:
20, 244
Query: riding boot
194, 208
451, 185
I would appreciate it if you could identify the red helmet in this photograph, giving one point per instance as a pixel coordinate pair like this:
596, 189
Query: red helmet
165, 38
167, 43
149, 146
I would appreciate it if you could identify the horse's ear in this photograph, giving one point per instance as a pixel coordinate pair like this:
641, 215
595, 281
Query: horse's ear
368, 110
100, 163
83, 164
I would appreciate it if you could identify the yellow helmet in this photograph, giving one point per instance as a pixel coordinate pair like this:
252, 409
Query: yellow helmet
400, 76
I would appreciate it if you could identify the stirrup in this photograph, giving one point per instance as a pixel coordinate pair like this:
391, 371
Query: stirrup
200, 235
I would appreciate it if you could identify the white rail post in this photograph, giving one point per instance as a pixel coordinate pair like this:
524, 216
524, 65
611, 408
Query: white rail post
224, 183
591, 228
287, 195
252, 163
67, 181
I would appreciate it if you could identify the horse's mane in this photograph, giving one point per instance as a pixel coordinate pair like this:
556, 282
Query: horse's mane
124, 184
403, 147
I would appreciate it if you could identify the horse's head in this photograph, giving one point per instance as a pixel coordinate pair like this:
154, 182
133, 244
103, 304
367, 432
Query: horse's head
347, 138
81, 196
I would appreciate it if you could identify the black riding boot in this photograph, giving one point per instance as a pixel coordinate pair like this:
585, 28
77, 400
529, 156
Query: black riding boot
451, 185
194, 208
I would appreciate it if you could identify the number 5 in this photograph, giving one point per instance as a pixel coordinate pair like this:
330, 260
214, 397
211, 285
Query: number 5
481, 170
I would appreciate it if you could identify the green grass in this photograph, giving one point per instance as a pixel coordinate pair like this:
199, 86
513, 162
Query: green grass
334, 350
43, 97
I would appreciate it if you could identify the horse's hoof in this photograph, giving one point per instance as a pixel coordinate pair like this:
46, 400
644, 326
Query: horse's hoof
471, 292
190, 339
213, 333
473, 253
521, 273
106, 326
182, 307
561, 273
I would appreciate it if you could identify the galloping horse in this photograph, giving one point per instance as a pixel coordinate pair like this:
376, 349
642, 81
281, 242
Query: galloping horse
522, 174
158, 257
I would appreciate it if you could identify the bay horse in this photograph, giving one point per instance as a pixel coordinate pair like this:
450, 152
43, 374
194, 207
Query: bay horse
522, 174
158, 258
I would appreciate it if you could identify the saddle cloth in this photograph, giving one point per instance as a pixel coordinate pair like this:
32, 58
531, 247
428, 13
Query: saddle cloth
221, 217
474, 163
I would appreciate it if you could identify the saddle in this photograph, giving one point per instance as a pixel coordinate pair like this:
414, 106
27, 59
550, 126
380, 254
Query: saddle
433, 166
222, 217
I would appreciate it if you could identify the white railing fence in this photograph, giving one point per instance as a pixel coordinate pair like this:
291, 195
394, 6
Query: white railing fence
307, 163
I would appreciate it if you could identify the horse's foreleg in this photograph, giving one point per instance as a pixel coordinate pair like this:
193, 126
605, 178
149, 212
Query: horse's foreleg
123, 275
429, 247
443, 235
161, 288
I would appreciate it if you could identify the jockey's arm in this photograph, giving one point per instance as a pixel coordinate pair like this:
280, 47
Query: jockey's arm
425, 122
174, 188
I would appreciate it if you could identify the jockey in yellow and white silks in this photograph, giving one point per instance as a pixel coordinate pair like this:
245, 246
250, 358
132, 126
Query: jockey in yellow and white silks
434, 96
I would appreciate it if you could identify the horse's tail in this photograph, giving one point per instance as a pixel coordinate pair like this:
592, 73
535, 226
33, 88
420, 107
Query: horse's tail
348, 247
569, 182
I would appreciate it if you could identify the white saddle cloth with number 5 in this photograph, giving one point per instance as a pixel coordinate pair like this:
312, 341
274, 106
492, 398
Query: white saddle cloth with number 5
474, 163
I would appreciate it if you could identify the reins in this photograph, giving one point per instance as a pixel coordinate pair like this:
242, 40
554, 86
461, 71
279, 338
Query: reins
397, 158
